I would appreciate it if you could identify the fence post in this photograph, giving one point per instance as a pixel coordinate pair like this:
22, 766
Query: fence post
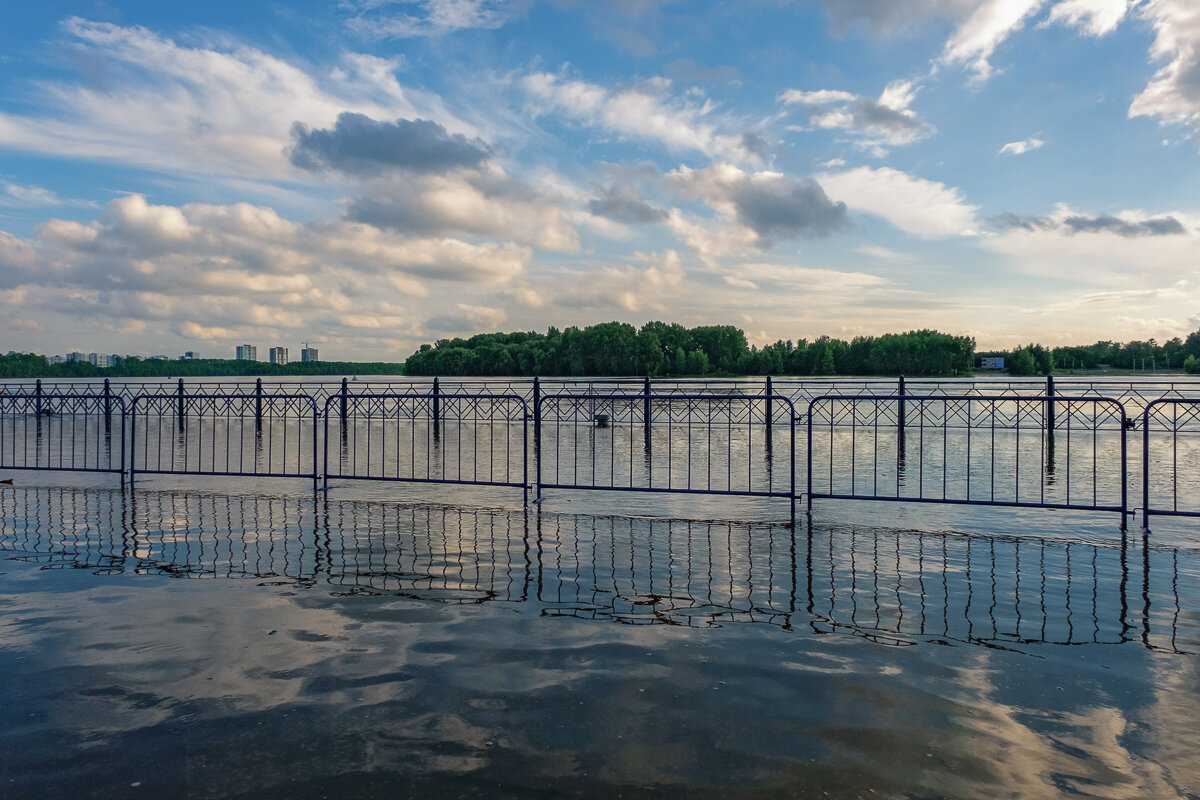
646, 410
37, 400
258, 398
900, 406
437, 404
180, 405
344, 399
107, 404
1050, 403
537, 434
769, 415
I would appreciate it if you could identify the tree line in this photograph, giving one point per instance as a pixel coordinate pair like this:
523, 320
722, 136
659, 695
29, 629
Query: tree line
1175, 354
670, 349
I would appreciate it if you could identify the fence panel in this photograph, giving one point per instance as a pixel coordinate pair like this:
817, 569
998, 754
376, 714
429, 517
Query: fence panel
479, 439
1171, 462
258, 434
685, 443
56, 431
1041, 451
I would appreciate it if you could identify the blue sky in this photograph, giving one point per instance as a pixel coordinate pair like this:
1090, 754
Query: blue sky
368, 175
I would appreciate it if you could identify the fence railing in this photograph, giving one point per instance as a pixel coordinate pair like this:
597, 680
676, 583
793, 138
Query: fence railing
1050, 450
1043, 452
52, 431
679, 443
249, 434
1171, 448
477, 439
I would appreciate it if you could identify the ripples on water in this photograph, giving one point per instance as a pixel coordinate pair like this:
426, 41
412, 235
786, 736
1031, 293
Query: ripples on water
159, 643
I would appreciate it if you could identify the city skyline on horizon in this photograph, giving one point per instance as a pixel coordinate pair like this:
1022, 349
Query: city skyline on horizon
395, 173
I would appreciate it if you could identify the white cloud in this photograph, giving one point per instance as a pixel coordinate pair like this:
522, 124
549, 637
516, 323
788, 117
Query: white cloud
921, 207
758, 207
1173, 95
212, 109
652, 286
886, 120
977, 38
1022, 147
1094, 17
645, 112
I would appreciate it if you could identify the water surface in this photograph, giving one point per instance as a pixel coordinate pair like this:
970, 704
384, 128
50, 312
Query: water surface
165, 643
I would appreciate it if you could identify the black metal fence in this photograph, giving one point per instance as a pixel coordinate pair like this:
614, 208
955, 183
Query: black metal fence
248, 435
54, 431
1171, 457
680, 443
428, 438
892, 441
1041, 452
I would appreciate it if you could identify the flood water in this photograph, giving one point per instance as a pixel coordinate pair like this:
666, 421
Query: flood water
257, 640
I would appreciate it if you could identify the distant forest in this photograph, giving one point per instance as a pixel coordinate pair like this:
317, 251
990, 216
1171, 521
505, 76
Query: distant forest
666, 350
30, 365
662, 349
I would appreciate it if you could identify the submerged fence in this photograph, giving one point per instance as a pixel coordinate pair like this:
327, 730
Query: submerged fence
1027, 444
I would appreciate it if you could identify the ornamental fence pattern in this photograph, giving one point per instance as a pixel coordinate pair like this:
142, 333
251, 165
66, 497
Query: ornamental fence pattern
1037, 444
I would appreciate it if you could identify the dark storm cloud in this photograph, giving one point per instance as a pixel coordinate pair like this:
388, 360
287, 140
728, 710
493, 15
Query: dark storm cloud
622, 204
359, 145
787, 208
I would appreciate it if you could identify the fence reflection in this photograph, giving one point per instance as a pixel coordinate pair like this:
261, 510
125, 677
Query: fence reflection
896, 587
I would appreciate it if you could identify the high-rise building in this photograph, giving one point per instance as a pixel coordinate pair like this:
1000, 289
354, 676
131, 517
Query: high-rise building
98, 359
75, 356
308, 354
278, 355
247, 352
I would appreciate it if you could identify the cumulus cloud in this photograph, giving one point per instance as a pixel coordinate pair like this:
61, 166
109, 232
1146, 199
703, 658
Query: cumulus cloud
886, 120
241, 254
360, 145
644, 112
217, 108
1128, 225
925, 208
769, 204
623, 204
652, 285
1173, 95
1022, 147
488, 204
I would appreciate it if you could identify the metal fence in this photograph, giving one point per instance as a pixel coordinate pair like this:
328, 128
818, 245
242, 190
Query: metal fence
53, 431
480, 439
680, 443
1171, 458
1043, 452
249, 434
897, 441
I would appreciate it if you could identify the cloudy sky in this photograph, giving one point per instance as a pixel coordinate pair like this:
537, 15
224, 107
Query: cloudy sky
368, 175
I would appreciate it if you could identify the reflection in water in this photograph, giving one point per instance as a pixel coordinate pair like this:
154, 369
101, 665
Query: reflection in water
892, 586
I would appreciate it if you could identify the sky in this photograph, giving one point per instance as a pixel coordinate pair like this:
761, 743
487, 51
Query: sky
370, 175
